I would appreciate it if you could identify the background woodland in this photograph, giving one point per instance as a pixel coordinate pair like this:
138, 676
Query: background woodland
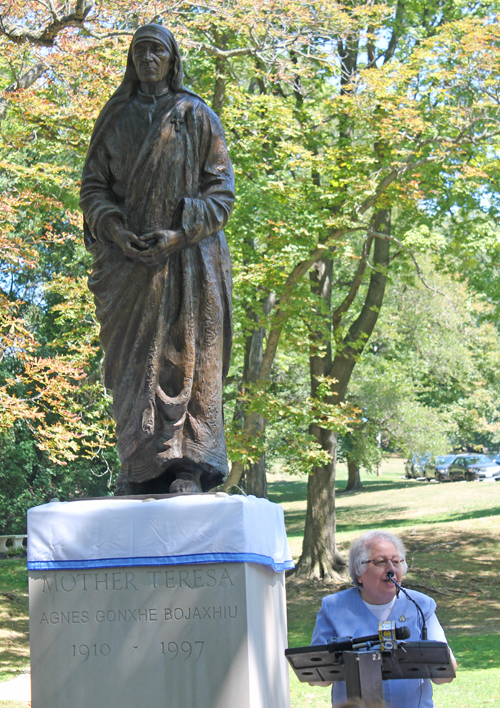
365, 238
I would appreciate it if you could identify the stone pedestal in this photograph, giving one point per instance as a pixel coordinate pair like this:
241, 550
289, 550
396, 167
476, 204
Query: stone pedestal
180, 635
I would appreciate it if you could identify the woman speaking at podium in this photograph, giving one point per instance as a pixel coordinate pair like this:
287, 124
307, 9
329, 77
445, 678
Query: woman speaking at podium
375, 598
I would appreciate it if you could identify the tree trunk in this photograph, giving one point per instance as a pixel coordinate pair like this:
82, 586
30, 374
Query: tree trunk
253, 423
255, 472
219, 95
256, 475
353, 481
234, 476
320, 558
379, 445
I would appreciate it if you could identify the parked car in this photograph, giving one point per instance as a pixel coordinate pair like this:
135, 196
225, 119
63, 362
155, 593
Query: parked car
415, 465
469, 467
437, 467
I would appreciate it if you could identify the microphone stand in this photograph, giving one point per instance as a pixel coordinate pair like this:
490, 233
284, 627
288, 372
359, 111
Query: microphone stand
390, 576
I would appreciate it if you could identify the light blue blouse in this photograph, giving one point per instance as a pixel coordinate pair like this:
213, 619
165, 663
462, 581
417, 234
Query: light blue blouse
345, 614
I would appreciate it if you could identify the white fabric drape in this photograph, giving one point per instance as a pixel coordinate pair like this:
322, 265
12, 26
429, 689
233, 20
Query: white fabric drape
114, 532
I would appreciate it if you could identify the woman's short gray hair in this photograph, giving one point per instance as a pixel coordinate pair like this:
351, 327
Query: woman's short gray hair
361, 548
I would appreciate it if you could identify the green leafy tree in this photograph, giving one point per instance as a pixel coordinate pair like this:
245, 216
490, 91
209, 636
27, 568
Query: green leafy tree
427, 379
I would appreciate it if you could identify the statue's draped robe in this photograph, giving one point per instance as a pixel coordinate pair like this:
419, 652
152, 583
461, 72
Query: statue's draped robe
162, 163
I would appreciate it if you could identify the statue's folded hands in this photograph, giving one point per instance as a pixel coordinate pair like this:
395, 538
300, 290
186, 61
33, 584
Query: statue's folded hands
130, 244
160, 245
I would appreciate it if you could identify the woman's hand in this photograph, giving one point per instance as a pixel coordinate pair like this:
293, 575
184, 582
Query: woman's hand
130, 244
446, 680
161, 244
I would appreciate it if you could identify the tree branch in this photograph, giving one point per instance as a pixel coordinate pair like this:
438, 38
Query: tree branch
301, 268
21, 83
432, 288
45, 36
353, 290
396, 172
280, 316
223, 53
361, 329
396, 31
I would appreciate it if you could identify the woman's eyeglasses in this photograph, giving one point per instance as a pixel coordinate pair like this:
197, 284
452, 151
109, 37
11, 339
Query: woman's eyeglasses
384, 562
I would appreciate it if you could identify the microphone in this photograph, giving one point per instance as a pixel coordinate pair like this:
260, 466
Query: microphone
390, 576
347, 643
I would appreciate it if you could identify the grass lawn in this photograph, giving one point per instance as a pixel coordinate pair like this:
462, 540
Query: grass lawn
452, 532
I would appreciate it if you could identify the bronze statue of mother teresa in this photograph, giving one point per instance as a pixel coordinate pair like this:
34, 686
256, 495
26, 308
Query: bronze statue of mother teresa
157, 190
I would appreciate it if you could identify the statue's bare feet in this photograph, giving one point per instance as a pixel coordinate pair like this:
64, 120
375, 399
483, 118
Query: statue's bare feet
186, 483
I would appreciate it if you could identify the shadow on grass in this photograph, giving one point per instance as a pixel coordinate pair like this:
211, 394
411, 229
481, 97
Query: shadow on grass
367, 518
13, 575
288, 491
375, 485
282, 492
294, 522
384, 521
14, 661
14, 637
14, 641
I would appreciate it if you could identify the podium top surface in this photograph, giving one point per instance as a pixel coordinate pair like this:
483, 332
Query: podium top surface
420, 660
214, 528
